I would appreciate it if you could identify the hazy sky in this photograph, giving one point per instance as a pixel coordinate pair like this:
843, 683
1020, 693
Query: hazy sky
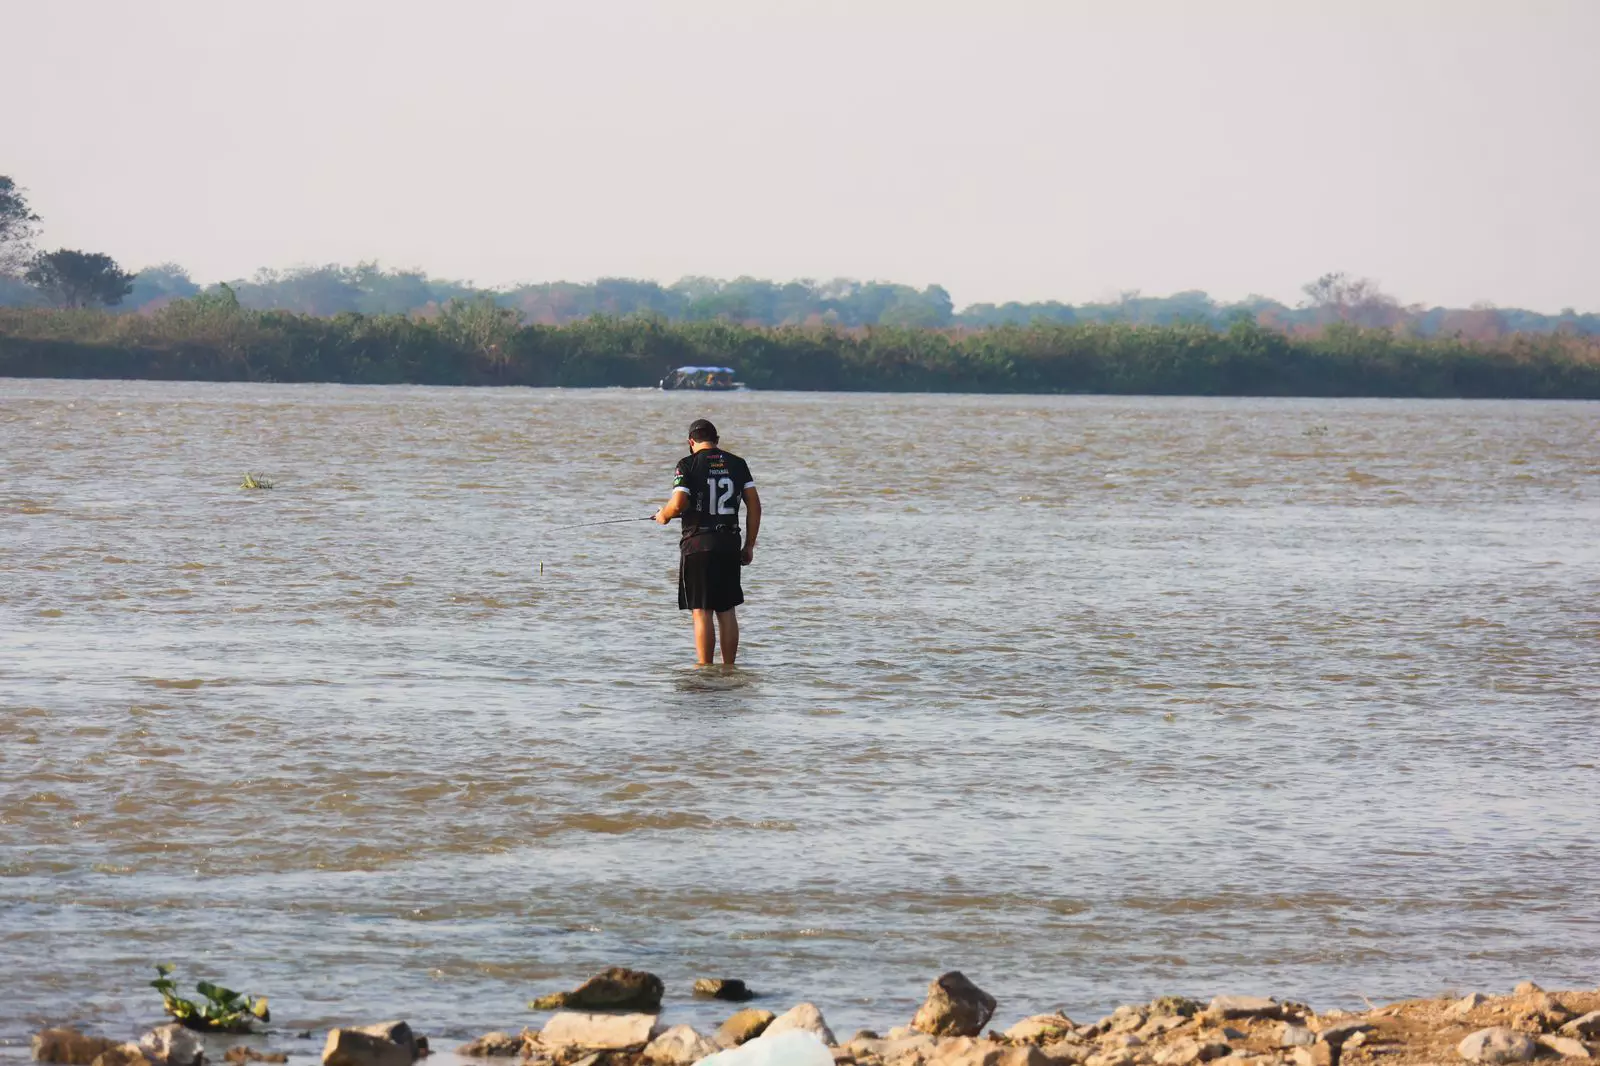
1007, 150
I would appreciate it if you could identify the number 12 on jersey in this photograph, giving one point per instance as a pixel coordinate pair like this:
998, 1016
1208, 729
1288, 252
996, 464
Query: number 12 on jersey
720, 495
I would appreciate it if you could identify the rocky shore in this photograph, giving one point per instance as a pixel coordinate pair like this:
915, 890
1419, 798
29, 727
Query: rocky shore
614, 1019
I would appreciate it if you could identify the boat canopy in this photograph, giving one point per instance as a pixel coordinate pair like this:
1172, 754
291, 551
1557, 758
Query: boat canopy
704, 370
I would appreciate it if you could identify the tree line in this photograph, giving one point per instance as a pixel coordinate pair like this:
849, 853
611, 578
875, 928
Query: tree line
368, 288
72, 278
212, 336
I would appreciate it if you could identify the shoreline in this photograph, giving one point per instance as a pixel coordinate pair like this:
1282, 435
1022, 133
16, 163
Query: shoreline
616, 1019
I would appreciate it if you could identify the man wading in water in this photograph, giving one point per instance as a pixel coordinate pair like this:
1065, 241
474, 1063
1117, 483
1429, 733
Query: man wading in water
707, 487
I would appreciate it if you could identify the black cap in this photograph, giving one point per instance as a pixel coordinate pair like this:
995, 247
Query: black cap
702, 430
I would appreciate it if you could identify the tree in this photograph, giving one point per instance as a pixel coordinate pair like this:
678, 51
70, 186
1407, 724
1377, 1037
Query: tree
16, 227
1338, 297
323, 291
396, 293
1481, 322
160, 285
928, 309
482, 327
78, 279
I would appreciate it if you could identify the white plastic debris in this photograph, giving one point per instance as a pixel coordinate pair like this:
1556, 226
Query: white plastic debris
797, 1047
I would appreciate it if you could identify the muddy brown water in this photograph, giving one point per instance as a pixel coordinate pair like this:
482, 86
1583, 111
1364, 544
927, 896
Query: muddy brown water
1092, 698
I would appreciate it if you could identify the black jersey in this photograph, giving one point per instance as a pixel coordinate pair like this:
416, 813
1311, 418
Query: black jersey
715, 481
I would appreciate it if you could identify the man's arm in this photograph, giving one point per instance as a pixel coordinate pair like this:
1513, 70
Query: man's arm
674, 506
752, 526
677, 501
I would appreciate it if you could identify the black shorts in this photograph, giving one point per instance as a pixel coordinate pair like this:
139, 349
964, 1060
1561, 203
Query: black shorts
709, 581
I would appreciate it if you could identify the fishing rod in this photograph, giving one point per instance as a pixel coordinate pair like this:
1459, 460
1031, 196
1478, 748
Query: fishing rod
603, 522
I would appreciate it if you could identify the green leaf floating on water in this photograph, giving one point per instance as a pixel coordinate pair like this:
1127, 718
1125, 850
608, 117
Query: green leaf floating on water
223, 1009
222, 997
255, 481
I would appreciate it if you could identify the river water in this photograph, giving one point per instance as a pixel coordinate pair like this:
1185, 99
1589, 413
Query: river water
1091, 698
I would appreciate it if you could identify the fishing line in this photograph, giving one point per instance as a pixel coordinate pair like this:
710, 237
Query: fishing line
602, 522
591, 525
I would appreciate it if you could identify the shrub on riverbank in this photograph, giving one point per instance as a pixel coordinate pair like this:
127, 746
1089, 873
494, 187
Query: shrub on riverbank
211, 337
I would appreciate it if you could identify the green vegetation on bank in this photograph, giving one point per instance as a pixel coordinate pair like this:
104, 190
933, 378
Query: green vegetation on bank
478, 342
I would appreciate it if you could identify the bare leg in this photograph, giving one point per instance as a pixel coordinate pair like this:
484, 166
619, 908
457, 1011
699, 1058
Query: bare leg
728, 622
705, 637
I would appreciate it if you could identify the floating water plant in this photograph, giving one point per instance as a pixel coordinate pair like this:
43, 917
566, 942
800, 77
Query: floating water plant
255, 481
1315, 431
222, 1011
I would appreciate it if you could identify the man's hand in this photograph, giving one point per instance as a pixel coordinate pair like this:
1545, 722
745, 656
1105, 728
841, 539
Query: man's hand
661, 517
752, 526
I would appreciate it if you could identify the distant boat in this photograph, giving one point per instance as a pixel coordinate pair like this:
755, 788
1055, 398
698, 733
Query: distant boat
712, 378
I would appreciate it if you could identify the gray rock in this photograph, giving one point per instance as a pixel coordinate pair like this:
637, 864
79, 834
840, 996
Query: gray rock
725, 988
678, 1046
1315, 1055
69, 1046
1024, 1055
1162, 1023
612, 1032
1125, 1019
909, 1048
899, 1046
966, 1051
353, 1047
493, 1045
1186, 1052
397, 1032
1040, 1029
805, 1017
173, 1045
1566, 1047
133, 1055
954, 1007
1548, 1011
1292, 1035
1344, 1032
743, 1026
1229, 1007
1182, 1006
1586, 1027
1497, 1045
1115, 1057
1066, 1053
1468, 1003
618, 988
